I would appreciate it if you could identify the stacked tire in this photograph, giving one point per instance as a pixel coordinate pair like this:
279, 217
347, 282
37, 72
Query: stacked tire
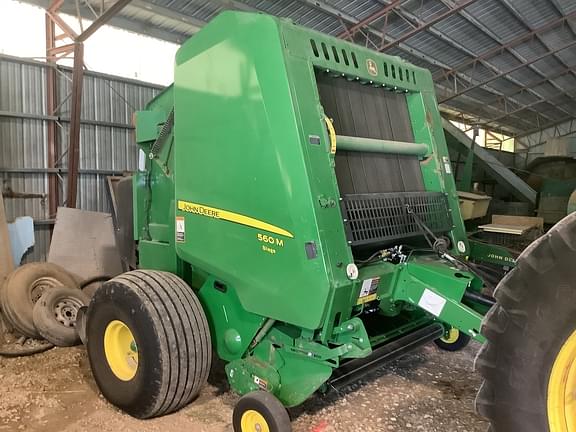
41, 300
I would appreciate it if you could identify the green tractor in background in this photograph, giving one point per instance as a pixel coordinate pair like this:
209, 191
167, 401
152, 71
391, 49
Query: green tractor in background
298, 217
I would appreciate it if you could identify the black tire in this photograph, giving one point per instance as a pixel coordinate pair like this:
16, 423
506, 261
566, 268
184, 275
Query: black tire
534, 316
170, 337
267, 406
22, 289
55, 315
455, 343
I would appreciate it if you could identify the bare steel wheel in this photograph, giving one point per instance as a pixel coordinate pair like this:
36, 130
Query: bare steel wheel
41, 285
66, 309
55, 315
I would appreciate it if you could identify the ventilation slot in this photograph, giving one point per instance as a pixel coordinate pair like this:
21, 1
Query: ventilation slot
314, 48
386, 69
401, 74
407, 75
393, 69
335, 52
345, 57
325, 51
354, 60
414, 77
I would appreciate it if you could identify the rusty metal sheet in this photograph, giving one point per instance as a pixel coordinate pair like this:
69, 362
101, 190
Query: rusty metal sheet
83, 243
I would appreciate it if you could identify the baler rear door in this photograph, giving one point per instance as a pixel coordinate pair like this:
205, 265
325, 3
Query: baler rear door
377, 187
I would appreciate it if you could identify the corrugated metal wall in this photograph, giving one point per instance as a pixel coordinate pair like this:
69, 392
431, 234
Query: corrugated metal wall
106, 137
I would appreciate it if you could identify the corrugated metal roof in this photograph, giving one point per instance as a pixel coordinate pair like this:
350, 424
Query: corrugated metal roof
482, 26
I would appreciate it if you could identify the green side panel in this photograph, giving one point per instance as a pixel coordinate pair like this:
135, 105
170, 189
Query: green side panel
300, 379
241, 168
139, 192
231, 327
157, 256
148, 125
154, 191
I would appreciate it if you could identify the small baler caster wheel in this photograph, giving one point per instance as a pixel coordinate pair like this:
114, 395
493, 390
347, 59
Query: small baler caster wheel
260, 411
455, 340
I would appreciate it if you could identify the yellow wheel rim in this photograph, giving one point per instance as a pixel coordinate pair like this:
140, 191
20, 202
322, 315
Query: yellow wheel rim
562, 389
253, 421
452, 336
121, 350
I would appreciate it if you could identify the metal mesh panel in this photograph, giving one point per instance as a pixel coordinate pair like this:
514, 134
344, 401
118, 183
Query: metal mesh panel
382, 217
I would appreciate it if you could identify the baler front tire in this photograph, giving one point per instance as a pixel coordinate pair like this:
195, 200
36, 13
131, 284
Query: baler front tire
148, 342
260, 411
529, 332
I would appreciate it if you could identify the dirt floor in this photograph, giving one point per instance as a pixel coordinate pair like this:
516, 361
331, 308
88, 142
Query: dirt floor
428, 390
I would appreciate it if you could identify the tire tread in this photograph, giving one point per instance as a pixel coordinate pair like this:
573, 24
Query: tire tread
184, 337
511, 319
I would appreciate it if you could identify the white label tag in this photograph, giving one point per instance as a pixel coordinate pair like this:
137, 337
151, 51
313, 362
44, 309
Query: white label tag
180, 229
447, 166
432, 302
366, 285
369, 289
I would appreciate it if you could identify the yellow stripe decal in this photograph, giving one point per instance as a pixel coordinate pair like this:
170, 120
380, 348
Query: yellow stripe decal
216, 213
332, 134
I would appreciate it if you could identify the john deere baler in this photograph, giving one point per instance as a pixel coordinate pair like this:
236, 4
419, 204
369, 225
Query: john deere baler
299, 187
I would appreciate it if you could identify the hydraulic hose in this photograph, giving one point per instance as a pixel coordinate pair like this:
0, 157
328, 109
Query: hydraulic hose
443, 254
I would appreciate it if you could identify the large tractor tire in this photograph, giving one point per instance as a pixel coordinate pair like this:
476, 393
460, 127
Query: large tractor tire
148, 342
529, 361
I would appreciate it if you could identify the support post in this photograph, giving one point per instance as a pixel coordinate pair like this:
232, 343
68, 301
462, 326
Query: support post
53, 19
52, 136
76, 108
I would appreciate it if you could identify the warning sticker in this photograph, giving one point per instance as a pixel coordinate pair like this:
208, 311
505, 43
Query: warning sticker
263, 384
180, 229
432, 302
447, 166
368, 290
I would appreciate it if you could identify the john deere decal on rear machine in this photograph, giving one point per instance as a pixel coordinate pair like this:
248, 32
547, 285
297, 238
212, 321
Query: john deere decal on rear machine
297, 213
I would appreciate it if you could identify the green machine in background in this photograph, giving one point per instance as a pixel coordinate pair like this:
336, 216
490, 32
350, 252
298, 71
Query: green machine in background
297, 214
